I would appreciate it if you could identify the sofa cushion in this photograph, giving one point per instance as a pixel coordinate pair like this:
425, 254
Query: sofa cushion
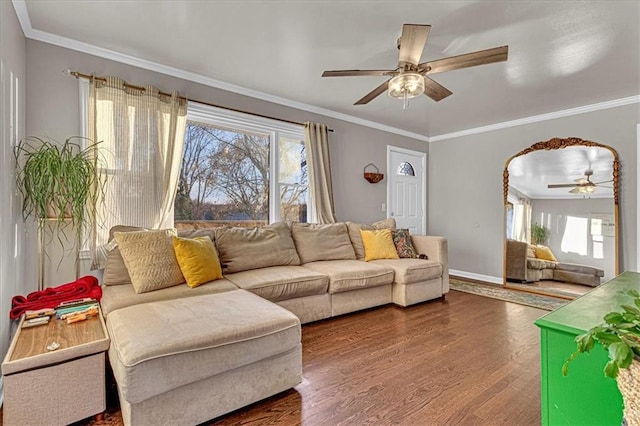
216, 333
198, 260
356, 238
378, 244
404, 244
409, 271
242, 249
540, 264
278, 283
580, 269
322, 241
345, 275
150, 259
122, 296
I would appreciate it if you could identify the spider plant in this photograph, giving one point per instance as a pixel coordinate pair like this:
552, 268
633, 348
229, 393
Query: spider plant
59, 181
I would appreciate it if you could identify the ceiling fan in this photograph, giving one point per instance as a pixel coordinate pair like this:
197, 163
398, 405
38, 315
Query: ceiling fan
410, 78
582, 185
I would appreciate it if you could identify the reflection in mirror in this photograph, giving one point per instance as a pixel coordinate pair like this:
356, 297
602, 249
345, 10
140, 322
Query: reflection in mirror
560, 222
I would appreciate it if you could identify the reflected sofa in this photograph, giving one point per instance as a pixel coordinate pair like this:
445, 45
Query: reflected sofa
523, 266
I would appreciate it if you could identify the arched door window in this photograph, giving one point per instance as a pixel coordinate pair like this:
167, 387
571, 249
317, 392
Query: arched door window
406, 169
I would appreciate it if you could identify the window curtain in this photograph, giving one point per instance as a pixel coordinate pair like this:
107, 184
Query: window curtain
522, 221
316, 142
141, 135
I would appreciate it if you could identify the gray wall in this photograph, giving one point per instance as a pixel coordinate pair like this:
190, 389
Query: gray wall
13, 264
552, 215
465, 184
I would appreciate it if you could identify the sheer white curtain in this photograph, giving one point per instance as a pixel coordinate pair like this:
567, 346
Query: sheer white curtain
522, 221
141, 134
316, 141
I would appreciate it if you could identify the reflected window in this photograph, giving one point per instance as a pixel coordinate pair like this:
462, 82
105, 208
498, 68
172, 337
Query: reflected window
598, 246
574, 238
406, 169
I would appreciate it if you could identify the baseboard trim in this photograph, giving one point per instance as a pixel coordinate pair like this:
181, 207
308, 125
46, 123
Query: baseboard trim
477, 277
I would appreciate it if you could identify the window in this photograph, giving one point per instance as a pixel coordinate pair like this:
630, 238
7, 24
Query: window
574, 238
406, 169
226, 170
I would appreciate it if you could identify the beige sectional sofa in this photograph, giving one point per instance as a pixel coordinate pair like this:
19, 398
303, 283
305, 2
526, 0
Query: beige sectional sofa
185, 355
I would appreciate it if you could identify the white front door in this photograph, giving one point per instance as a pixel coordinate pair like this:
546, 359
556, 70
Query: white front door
406, 188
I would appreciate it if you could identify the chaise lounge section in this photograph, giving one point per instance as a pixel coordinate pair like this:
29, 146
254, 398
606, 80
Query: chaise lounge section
198, 353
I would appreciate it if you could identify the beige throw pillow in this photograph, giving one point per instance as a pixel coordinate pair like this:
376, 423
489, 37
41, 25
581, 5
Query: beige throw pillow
322, 242
150, 259
242, 249
356, 238
115, 271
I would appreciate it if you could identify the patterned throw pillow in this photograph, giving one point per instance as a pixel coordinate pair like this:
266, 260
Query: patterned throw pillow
402, 241
150, 259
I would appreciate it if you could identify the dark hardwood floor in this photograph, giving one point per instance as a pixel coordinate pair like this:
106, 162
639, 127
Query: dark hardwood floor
466, 360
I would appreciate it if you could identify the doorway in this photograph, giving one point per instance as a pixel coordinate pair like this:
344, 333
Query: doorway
406, 189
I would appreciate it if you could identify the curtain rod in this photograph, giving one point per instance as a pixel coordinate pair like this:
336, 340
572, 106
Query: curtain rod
77, 74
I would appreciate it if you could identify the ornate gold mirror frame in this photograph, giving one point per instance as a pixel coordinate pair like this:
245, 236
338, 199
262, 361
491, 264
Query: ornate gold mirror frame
557, 144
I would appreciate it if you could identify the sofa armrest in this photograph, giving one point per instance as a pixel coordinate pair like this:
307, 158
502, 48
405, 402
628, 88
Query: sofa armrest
516, 258
436, 249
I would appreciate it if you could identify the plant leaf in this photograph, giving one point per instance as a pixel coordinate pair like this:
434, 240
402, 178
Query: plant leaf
611, 369
614, 318
621, 354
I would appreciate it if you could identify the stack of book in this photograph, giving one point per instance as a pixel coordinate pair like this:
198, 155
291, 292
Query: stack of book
77, 310
37, 317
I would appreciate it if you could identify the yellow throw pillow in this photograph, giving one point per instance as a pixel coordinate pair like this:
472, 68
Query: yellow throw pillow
545, 253
378, 244
198, 260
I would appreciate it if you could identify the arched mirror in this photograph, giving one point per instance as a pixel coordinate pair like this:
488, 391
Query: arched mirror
561, 217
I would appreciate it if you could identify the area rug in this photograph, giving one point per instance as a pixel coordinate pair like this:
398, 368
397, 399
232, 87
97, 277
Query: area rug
498, 292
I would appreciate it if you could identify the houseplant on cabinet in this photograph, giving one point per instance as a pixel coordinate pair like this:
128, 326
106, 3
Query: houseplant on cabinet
620, 336
61, 182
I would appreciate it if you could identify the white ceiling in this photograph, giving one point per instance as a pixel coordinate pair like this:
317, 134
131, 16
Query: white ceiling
562, 54
531, 173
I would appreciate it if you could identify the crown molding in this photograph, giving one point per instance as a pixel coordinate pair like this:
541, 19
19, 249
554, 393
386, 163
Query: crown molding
23, 17
31, 33
537, 118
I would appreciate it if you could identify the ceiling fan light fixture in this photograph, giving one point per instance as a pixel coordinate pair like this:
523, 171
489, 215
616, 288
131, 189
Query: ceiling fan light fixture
406, 86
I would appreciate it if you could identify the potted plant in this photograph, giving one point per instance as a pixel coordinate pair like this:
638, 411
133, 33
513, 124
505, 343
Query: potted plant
59, 181
620, 336
539, 234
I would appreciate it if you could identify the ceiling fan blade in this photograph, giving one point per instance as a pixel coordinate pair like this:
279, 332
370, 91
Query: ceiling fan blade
562, 185
352, 73
373, 94
481, 57
604, 181
435, 90
412, 42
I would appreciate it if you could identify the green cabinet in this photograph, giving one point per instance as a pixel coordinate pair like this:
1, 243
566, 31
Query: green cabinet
585, 396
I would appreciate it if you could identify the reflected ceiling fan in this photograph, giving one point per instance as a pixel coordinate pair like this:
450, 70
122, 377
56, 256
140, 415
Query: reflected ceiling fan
410, 78
582, 185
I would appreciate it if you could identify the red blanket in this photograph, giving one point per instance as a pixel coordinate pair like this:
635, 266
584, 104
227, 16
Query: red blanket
52, 296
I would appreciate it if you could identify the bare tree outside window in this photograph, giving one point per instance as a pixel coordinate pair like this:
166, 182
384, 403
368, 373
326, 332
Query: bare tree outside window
225, 174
